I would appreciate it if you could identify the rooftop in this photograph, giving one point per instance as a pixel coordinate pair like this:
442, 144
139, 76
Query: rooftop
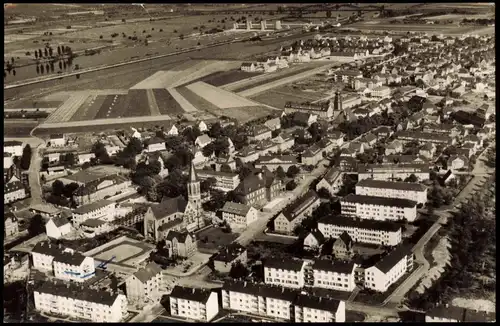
147, 273
366, 224
404, 186
333, 266
191, 294
77, 292
395, 256
285, 264
379, 201
236, 208
92, 206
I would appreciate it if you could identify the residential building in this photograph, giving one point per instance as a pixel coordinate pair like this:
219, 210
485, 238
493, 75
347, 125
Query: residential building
333, 275
452, 314
93, 227
14, 190
304, 119
239, 215
428, 150
13, 147
313, 155
202, 141
332, 181
312, 309
45, 210
409, 136
85, 157
7, 160
260, 133
394, 171
389, 269
80, 302
381, 92
273, 124
227, 257
456, 162
11, 226
57, 227
295, 213
57, 140
272, 162
287, 273
394, 147
392, 189
378, 208
155, 144
314, 240
225, 181
343, 246
193, 303
180, 244
103, 209
69, 265
258, 189
144, 285
248, 67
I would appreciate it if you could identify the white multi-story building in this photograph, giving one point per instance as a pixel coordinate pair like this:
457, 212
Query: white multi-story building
294, 214
69, 265
57, 140
57, 227
394, 171
273, 162
361, 230
392, 189
192, 303
43, 255
333, 275
144, 285
80, 302
378, 208
239, 215
389, 269
452, 314
381, 92
13, 147
225, 181
288, 273
332, 181
280, 303
102, 209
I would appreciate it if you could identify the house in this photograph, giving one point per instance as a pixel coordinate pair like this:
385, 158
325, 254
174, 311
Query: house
258, 189
284, 272
311, 309
295, 213
381, 92
273, 124
155, 144
375, 232
332, 181
103, 209
321, 110
14, 190
409, 136
180, 244
93, 227
239, 215
428, 150
260, 133
248, 67
452, 314
57, 227
369, 139
10, 223
343, 246
193, 303
202, 141
80, 302
56, 140
475, 140
144, 285
304, 119
389, 269
202, 126
227, 257
314, 240
333, 275
379, 208
392, 189
382, 132
313, 155
13, 147
394, 147
273, 162
456, 162
85, 157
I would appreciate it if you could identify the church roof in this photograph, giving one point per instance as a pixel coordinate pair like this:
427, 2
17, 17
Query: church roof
192, 173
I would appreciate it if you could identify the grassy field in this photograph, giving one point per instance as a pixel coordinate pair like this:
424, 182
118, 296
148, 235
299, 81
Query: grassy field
245, 114
276, 99
199, 102
273, 78
227, 77
17, 129
137, 104
166, 102
89, 111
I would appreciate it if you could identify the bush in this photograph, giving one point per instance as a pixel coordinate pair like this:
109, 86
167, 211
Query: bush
68, 27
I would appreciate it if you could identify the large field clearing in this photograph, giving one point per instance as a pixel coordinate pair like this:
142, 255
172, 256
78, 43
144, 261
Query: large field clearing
18, 129
198, 102
137, 104
276, 99
166, 103
227, 77
432, 29
219, 97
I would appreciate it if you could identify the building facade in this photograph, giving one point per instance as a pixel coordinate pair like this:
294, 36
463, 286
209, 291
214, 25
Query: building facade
378, 208
392, 189
197, 304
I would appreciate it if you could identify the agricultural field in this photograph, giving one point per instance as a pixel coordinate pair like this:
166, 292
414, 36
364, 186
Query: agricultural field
137, 104
276, 99
246, 114
166, 103
111, 106
18, 128
219, 97
227, 77
198, 102
89, 110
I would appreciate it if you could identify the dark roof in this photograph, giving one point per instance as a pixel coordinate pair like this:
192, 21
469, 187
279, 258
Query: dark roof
367, 224
170, 224
450, 312
318, 303
250, 184
84, 177
300, 204
407, 186
395, 256
285, 263
60, 221
265, 290
345, 238
333, 266
381, 168
93, 223
71, 258
381, 201
92, 206
191, 294
13, 186
236, 208
11, 215
318, 235
70, 290
169, 206
56, 136
230, 253
181, 236
10, 143
147, 273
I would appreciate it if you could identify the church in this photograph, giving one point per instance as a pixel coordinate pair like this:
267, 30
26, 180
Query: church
176, 214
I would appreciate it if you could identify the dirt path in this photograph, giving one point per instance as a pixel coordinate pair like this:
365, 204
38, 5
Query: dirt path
153, 106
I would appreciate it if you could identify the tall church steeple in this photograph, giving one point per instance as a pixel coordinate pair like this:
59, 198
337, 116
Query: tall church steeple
193, 187
337, 105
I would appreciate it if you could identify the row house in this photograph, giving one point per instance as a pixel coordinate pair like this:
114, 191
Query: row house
409, 136
451, 130
379, 208
294, 214
385, 233
362, 83
392, 189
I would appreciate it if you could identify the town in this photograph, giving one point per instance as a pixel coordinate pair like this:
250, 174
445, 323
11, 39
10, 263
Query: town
332, 174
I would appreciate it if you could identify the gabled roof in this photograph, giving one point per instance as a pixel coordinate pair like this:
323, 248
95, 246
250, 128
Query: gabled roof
317, 303
317, 235
169, 206
381, 201
333, 266
395, 256
60, 221
191, 294
404, 186
236, 208
285, 264
180, 236
78, 292
147, 273
92, 206
292, 211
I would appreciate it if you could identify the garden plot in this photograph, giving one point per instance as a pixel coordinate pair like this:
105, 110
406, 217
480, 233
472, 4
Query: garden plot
110, 106
83, 112
166, 102
219, 97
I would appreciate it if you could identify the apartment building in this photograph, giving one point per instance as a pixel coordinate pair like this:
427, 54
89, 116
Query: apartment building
392, 189
294, 214
288, 273
332, 275
273, 162
14, 190
332, 181
13, 147
144, 285
379, 208
313, 155
102, 209
192, 303
260, 133
393, 172
155, 144
389, 269
69, 265
225, 181
280, 303
425, 137
361, 230
239, 215
80, 302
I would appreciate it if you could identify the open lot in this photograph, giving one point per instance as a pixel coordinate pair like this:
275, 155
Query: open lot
276, 99
431, 29
18, 128
213, 238
219, 97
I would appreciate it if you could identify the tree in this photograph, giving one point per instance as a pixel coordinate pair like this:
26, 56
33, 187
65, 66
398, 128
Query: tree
181, 37
69, 189
46, 52
26, 157
57, 188
42, 70
215, 130
324, 193
291, 185
13, 72
328, 14
99, 151
207, 184
47, 67
36, 54
238, 271
412, 178
85, 165
40, 53
58, 50
51, 51
12, 60
36, 225
292, 171
280, 172
190, 134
